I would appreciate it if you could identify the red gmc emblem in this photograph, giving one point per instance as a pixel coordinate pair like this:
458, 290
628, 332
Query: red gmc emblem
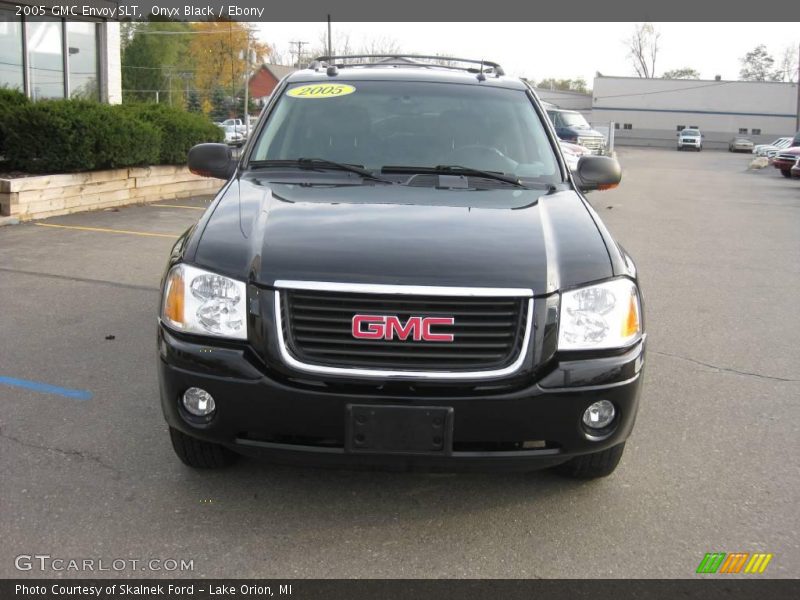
386, 327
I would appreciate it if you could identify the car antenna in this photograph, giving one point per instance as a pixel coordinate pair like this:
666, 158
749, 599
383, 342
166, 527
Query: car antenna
481, 76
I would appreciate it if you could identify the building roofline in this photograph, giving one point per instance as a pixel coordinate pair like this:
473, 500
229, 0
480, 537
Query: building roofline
792, 83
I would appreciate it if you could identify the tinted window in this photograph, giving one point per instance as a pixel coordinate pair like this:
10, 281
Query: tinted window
400, 123
10, 50
45, 59
573, 119
82, 48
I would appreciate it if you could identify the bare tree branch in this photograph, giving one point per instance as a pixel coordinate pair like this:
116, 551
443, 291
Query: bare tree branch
643, 49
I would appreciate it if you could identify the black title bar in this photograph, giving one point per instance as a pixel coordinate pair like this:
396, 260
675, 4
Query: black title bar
409, 10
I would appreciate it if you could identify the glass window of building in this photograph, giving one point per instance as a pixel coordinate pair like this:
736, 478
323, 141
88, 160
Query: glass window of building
45, 59
82, 60
10, 50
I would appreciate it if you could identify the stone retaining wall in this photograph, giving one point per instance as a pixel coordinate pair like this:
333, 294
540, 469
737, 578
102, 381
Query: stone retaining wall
37, 197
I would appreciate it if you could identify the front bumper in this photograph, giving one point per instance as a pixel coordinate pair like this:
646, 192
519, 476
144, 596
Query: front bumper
783, 164
299, 421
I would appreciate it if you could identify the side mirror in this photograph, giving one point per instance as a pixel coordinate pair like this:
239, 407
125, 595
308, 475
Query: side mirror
598, 173
211, 160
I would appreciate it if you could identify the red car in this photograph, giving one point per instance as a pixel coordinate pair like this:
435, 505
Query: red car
786, 159
795, 171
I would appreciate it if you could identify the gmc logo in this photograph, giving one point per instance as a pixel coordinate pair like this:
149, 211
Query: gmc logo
383, 327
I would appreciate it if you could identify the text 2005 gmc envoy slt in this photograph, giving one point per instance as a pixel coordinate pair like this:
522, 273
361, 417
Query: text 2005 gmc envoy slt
401, 271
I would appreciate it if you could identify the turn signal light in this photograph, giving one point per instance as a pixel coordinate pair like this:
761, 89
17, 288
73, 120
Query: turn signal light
173, 298
631, 325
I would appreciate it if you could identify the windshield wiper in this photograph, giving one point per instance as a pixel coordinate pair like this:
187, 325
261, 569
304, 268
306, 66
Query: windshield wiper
457, 170
320, 163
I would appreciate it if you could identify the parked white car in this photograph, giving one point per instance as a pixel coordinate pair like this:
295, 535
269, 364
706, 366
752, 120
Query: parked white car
690, 138
233, 137
772, 149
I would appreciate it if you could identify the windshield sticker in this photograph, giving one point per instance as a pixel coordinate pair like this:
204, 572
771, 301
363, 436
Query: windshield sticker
321, 91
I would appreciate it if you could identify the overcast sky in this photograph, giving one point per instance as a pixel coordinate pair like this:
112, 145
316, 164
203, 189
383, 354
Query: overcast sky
561, 50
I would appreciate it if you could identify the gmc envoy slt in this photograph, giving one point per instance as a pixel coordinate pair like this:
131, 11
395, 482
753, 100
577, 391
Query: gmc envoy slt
401, 272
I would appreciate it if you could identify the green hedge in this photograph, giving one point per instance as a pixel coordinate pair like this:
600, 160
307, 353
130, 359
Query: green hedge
55, 136
180, 130
10, 100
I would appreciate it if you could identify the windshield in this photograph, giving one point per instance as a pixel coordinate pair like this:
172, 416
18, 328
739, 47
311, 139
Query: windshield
377, 124
690, 132
573, 119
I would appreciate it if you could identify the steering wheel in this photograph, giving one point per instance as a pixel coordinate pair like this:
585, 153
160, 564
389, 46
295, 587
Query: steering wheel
487, 158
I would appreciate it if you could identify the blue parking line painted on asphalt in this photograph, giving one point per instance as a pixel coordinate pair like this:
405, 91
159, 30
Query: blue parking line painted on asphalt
46, 388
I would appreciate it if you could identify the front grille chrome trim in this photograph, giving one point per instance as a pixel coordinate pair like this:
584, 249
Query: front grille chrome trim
414, 290
315, 369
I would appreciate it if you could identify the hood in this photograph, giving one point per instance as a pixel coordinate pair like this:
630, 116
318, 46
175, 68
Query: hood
582, 131
263, 232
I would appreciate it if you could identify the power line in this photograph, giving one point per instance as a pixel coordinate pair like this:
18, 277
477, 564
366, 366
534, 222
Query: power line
299, 51
141, 32
696, 87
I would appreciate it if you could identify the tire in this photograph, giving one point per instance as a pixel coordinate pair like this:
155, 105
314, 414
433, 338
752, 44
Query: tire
786, 173
592, 466
199, 454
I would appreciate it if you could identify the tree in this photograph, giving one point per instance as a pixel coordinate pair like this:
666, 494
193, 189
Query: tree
757, 65
643, 49
216, 51
154, 54
340, 45
568, 85
788, 64
684, 73
219, 104
193, 103
382, 45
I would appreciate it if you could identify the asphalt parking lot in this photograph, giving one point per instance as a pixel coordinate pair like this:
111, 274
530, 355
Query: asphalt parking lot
713, 464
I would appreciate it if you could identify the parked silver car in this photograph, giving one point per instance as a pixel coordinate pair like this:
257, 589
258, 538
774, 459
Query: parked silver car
740, 144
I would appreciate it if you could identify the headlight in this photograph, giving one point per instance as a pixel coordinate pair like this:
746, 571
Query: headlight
606, 315
196, 301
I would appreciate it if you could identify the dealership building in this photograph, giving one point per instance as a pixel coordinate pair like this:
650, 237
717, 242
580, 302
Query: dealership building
650, 112
60, 58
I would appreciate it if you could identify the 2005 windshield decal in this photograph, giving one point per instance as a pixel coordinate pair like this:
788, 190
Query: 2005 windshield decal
321, 91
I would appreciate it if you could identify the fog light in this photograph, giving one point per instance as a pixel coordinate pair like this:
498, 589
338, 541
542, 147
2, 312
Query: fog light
599, 415
199, 402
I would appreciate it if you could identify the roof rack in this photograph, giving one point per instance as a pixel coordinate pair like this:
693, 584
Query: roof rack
333, 63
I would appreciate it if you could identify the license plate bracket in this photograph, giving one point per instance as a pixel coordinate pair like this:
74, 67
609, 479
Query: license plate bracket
399, 429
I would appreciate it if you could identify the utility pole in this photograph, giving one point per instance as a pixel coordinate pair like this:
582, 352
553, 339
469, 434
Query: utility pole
797, 117
298, 52
330, 52
247, 88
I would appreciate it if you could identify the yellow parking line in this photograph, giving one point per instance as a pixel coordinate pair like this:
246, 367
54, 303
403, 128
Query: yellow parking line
104, 230
179, 206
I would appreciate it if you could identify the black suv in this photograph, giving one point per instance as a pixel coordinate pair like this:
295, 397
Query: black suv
401, 271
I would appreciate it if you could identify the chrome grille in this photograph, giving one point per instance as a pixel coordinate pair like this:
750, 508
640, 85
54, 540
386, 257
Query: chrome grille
490, 332
594, 143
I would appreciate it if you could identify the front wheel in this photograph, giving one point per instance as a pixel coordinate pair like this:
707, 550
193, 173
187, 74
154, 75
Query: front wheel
200, 454
592, 466
786, 173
